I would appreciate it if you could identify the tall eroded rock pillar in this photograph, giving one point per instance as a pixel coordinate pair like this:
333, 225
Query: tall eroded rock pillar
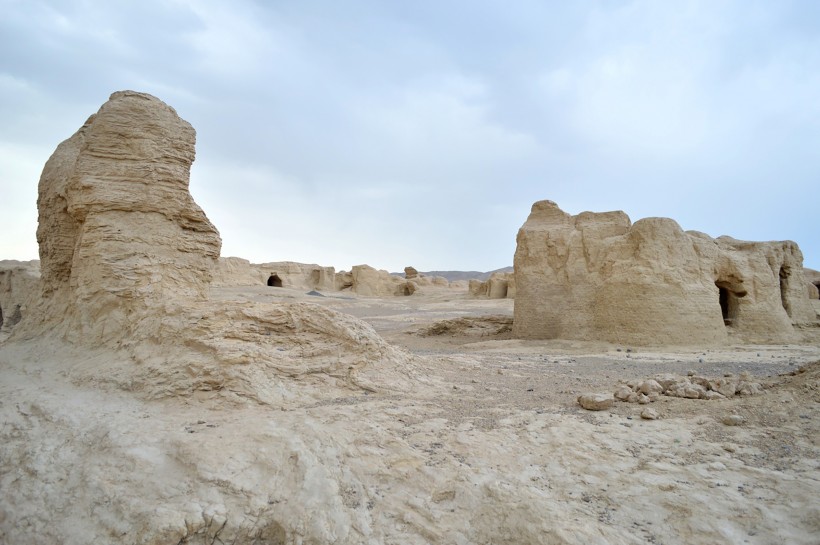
117, 224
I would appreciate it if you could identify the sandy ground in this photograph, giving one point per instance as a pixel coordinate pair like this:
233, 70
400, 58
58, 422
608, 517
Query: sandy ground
490, 447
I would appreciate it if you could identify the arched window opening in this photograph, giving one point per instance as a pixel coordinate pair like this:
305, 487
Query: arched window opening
316, 278
275, 281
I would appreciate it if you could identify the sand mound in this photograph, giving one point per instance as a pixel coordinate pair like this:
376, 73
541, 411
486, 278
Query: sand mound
477, 326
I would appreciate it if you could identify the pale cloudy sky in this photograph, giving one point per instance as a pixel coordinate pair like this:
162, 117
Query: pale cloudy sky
420, 133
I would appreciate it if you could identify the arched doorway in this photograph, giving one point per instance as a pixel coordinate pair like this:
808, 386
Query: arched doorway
274, 281
729, 302
724, 302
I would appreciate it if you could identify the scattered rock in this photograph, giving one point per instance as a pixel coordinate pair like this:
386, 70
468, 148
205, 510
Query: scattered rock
650, 386
726, 388
623, 393
596, 402
666, 380
749, 388
693, 391
689, 387
703, 382
649, 414
733, 420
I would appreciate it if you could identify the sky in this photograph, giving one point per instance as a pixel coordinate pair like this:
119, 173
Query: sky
420, 133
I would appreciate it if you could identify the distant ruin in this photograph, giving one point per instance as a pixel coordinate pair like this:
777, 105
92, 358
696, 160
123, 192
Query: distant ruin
500, 285
597, 276
812, 283
19, 284
362, 280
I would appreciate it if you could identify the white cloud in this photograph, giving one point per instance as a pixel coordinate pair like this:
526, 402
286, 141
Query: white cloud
395, 133
232, 41
438, 131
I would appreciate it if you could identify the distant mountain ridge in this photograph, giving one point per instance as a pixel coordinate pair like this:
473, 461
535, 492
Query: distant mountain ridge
452, 276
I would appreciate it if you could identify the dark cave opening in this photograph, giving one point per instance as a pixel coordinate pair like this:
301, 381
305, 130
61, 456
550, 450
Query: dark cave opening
785, 274
729, 302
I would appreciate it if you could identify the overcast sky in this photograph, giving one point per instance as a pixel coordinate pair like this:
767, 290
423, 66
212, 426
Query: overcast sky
420, 133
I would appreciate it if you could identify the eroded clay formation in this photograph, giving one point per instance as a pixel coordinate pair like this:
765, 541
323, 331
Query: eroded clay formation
500, 285
127, 259
597, 276
812, 283
19, 284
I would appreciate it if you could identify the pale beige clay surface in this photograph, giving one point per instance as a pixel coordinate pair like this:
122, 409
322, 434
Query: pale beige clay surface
143, 399
487, 446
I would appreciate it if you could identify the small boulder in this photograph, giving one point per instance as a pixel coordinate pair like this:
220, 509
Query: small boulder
703, 382
725, 386
733, 420
650, 386
596, 402
666, 380
623, 393
749, 388
693, 391
677, 389
649, 414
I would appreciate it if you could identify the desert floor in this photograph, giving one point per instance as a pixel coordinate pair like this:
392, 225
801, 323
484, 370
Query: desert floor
489, 446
